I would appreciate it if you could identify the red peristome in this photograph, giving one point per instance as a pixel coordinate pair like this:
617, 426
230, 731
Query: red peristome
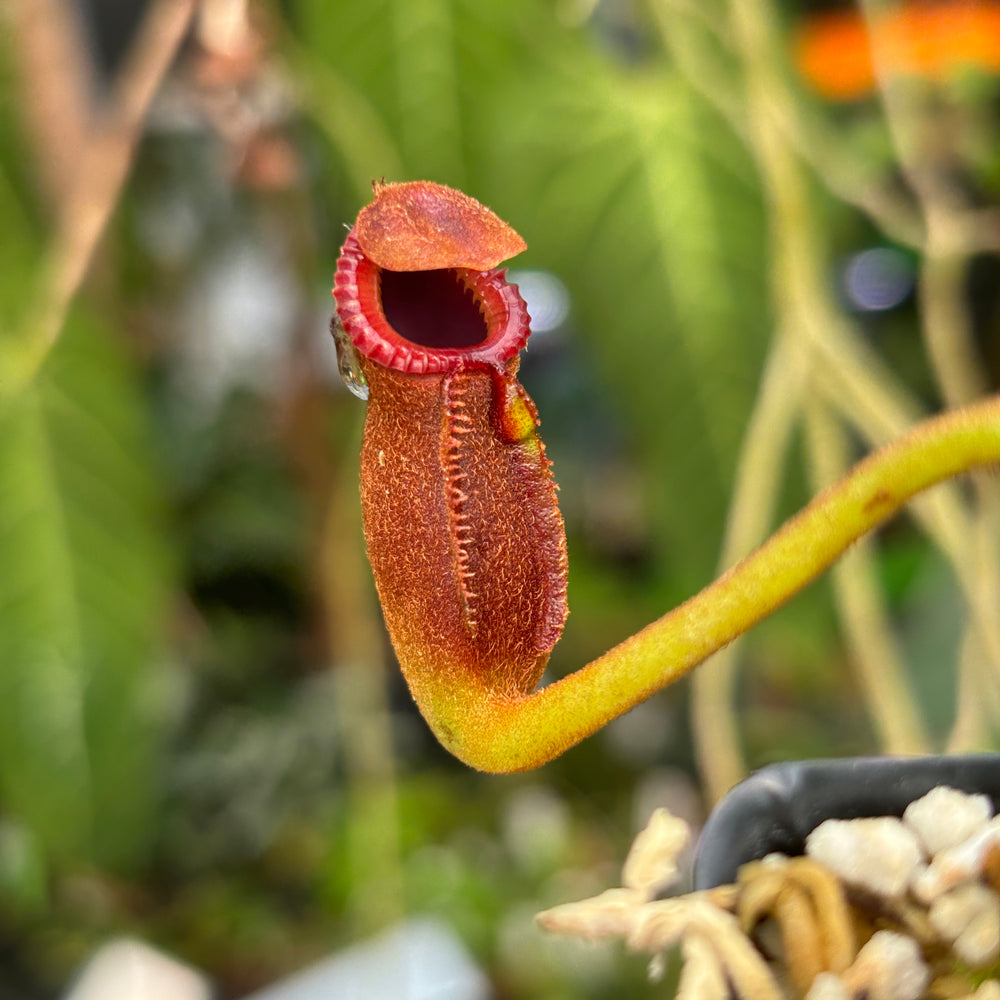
358, 291
422, 226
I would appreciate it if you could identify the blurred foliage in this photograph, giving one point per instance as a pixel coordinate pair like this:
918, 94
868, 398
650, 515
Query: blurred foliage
85, 583
202, 738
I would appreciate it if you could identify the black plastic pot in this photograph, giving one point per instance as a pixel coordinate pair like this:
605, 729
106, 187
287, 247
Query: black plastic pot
776, 808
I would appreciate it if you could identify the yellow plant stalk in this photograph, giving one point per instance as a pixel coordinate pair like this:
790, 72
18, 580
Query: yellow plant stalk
494, 731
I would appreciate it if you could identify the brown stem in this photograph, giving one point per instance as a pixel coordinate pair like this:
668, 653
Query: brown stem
55, 81
100, 176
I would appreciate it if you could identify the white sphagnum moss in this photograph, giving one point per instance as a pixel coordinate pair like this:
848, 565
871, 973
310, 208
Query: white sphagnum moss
881, 909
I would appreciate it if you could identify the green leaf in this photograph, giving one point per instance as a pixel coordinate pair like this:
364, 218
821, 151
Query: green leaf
647, 207
427, 74
82, 591
20, 245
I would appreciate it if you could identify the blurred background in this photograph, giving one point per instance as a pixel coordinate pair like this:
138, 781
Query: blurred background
763, 238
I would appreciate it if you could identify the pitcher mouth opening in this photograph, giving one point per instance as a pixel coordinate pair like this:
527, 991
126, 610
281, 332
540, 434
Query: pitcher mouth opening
428, 322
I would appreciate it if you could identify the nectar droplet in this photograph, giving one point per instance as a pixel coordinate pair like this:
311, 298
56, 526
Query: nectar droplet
347, 362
